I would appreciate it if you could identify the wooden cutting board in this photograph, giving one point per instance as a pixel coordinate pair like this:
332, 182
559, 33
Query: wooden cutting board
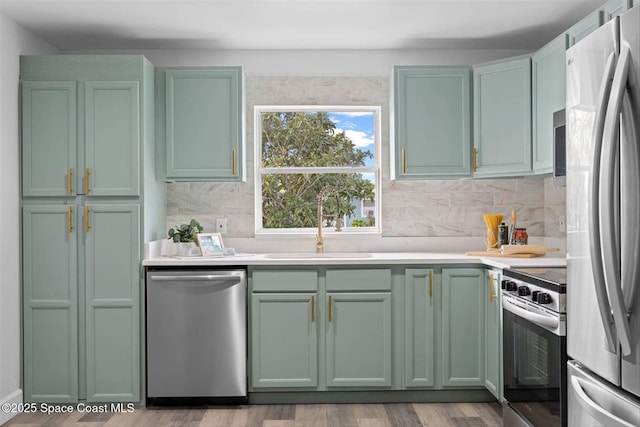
500, 255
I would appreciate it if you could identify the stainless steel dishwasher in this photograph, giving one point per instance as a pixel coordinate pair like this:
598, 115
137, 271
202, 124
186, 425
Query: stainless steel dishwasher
196, 334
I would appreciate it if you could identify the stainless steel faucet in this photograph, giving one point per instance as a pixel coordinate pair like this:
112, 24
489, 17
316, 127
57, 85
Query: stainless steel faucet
322, 196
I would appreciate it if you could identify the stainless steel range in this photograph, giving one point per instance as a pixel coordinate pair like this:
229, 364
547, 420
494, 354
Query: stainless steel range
535, 347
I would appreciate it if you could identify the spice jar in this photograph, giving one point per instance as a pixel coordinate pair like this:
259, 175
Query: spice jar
520, 235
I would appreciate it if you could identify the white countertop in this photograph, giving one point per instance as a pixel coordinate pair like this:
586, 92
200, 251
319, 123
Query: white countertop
376, 258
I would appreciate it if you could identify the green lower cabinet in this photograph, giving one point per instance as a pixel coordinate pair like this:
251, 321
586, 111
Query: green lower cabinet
335, 328
463, 308
320, 328
358, 333
50, 304
419, 368
112, 283
284, 340
493, 334
81, 303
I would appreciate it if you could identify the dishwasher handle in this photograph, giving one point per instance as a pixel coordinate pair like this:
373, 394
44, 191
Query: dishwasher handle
206, 278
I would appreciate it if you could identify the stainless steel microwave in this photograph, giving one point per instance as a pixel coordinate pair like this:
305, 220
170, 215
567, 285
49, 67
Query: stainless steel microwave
559, 144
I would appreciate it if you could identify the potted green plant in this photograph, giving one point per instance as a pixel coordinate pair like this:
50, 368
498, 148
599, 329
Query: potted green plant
184, 236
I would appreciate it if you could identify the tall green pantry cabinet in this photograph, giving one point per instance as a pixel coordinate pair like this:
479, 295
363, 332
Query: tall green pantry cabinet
90, 198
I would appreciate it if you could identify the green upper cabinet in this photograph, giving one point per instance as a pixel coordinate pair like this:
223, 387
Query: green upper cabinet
80, 128
432, 122
203, 123
548, 91
112, 139
586, 26
493, 334
463, 308
49, 138
594, 20
502, 118
613, 8
420, 302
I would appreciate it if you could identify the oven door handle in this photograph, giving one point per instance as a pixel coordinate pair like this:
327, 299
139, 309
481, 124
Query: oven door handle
547, 321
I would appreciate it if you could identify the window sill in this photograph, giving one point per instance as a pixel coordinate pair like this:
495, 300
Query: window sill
330, 233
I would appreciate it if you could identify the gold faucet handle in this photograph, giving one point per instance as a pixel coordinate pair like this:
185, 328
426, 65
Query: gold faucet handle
338, 222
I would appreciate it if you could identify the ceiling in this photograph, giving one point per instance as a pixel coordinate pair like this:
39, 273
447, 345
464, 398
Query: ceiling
297, 24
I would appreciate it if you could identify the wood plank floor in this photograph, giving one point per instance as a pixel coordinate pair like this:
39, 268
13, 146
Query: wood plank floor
316, 415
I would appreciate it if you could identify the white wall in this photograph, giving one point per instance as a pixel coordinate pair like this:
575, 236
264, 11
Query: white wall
14, 41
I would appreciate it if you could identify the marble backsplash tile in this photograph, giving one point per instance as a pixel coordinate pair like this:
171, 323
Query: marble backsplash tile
432, 209
435, 208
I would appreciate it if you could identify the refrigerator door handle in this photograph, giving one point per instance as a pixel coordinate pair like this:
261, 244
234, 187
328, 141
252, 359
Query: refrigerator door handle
592, 407
608, 196
629, 204
594, 214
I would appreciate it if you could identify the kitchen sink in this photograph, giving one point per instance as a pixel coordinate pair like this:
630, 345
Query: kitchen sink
294, 255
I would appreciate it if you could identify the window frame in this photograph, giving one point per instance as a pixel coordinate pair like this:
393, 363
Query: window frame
375, 169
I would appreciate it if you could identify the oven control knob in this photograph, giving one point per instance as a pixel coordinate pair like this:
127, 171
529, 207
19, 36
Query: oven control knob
523, 291
512, 286
534, 295
544, 299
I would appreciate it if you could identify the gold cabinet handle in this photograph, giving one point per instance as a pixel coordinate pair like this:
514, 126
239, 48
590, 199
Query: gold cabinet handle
430, 283
86, 180
69, 219
492, 291
404, 160
475, 159
70, 181
330, 317
86, 218
313, 308
233, 162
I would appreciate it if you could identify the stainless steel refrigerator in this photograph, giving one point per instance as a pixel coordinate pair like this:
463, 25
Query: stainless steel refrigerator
603, 225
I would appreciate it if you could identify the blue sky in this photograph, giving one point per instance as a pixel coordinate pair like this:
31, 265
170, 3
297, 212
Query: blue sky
359, 127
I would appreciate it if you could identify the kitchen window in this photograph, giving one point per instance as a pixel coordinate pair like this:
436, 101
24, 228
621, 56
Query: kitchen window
302, 151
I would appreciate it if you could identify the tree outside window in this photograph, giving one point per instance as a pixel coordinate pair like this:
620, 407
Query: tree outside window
305, 149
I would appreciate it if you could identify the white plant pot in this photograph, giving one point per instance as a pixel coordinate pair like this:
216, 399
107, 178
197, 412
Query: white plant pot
187, 249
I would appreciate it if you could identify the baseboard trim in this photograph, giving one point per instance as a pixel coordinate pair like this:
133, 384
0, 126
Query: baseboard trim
11, 398
398, 396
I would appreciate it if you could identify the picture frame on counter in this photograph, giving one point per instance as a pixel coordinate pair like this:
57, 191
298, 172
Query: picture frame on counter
211, 244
